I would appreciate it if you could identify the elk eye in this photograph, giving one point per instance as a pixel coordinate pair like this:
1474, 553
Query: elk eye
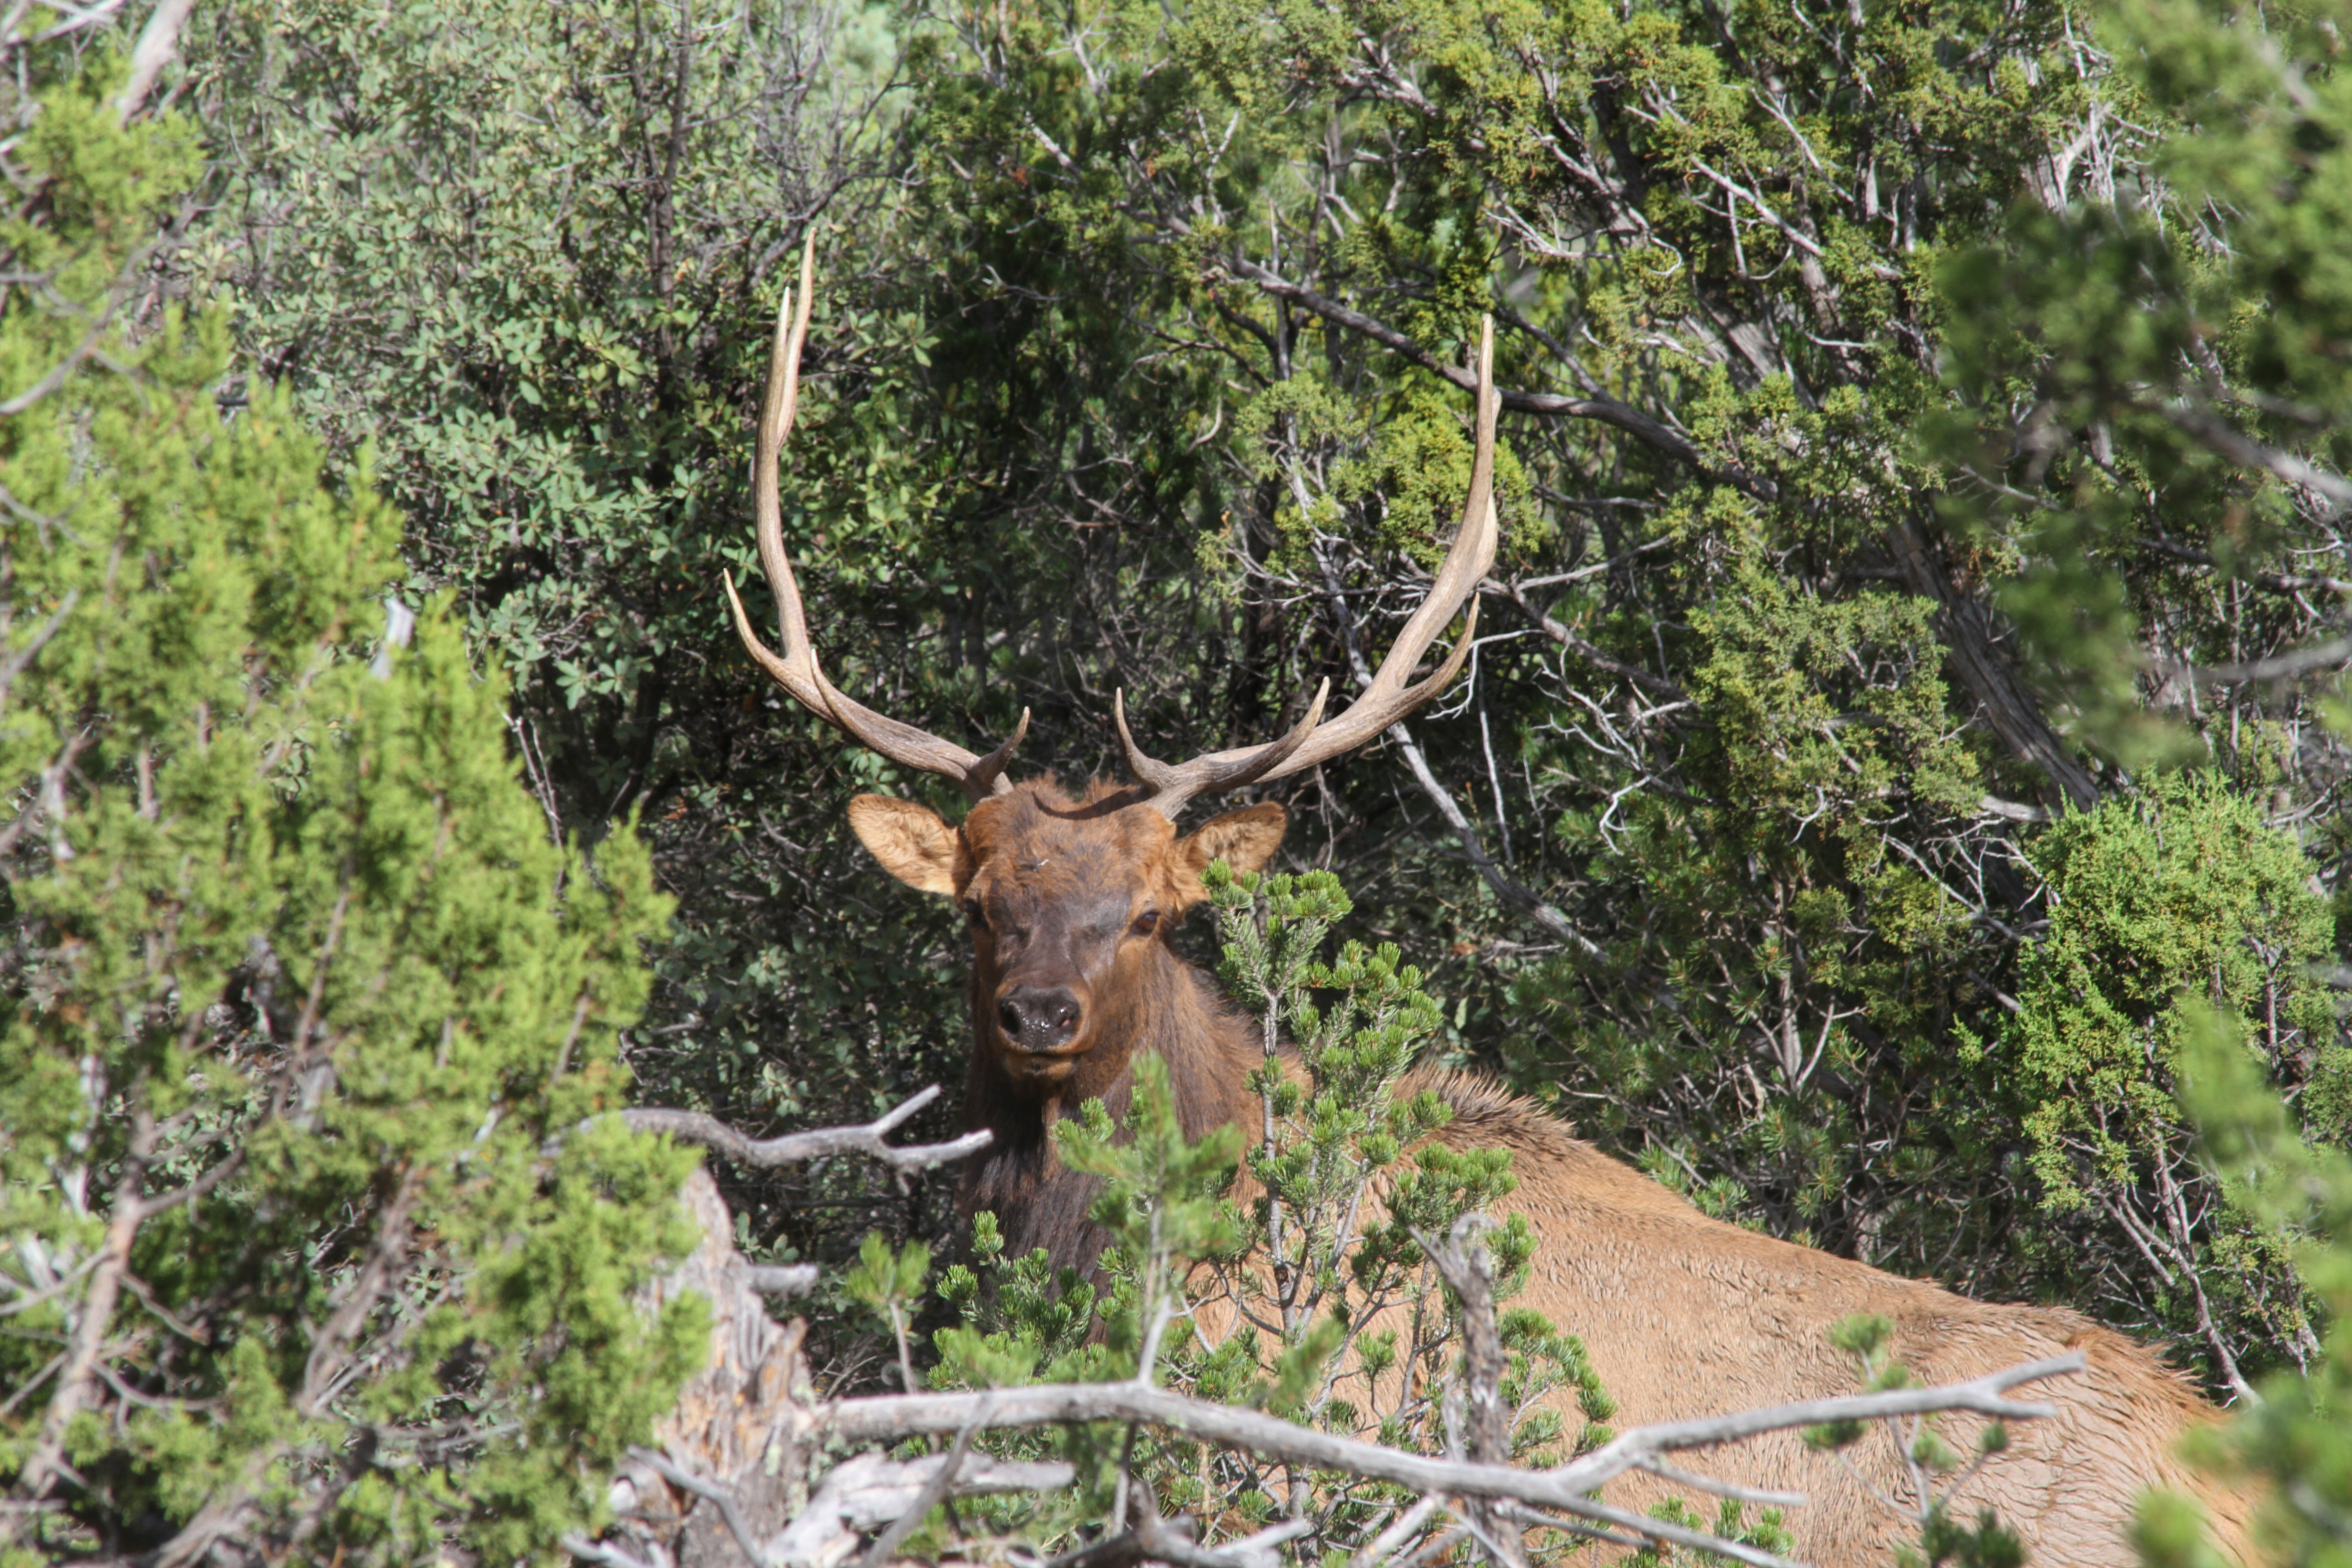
971, 911
1147, 922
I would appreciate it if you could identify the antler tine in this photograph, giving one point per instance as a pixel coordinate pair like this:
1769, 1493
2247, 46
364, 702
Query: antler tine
797, 671
1388, 699
1168, 788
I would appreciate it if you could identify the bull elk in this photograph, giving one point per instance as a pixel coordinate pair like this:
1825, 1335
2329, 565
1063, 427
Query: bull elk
1071, 899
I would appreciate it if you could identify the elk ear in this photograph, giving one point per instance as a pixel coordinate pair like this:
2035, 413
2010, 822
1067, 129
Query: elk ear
911, 841
1244, 839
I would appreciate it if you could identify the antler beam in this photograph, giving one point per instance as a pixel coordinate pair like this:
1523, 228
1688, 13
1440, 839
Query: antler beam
796, 670
1388, 699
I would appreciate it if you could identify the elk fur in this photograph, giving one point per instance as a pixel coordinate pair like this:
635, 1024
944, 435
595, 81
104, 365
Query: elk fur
1682, 1314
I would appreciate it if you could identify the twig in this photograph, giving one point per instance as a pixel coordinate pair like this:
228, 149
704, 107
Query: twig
46, 1461
1607, 410
934, 1491
1516, 594
679, 1476
1733, 1490
2238, 448
14, 664
1508, 888
1536, 1518
2300, 662
1385, 1545
588, 1550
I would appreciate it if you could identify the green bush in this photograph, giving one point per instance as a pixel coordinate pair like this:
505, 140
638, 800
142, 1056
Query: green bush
302, 1012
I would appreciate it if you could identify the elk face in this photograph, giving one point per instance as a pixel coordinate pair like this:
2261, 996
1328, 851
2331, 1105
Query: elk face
1069, 900
1069, 903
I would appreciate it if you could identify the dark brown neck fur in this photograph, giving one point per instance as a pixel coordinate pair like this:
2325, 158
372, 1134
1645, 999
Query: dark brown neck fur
1209, 1050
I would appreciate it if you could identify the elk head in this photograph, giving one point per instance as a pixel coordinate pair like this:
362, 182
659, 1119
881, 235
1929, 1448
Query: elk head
1070, 900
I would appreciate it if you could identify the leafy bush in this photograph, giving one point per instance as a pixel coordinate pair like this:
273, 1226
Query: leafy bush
2161, 908
302, 1012
2293, 1443
1925, 423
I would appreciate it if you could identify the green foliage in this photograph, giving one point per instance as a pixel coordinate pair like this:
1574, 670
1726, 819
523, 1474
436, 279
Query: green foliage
1781, 902
312, 1243
2162, 909
1160, 1202
1730, 1522
1805, 663
528, 258
2292, 1446
2166, 364
889, 1282
1352, 1184
1748, 761
1917, 401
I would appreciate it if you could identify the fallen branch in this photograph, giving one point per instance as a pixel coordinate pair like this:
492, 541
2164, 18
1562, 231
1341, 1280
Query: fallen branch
1986, 1395
892, 1417
794, 1148
869, 1492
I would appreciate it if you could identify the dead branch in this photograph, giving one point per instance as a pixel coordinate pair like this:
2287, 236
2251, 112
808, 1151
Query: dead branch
722, 1486
1985, 1396
2301, 661
868, 1493
1516, 593
1469, 1272
794, 1148
891, 1417
159, 41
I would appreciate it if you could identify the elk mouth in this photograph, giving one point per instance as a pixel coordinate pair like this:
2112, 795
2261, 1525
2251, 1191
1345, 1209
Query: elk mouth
1062, 1052
1042, 1069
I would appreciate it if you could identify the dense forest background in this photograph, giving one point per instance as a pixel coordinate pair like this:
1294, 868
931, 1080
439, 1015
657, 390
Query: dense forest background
1914, 665
1841, 787
1822, 589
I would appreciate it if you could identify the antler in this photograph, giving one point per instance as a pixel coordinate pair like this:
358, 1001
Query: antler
796, 671
1388, 699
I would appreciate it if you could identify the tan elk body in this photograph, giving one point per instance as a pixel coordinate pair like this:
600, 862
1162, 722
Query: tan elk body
1071, 899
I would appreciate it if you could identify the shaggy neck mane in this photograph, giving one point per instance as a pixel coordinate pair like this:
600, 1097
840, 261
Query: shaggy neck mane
1177, 1012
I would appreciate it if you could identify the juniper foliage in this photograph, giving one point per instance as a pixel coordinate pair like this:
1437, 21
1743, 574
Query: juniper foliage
313, 1247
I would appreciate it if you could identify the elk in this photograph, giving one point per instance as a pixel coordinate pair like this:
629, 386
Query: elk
1071, 897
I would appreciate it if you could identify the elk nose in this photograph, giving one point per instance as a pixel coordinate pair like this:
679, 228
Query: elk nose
1037, 1018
